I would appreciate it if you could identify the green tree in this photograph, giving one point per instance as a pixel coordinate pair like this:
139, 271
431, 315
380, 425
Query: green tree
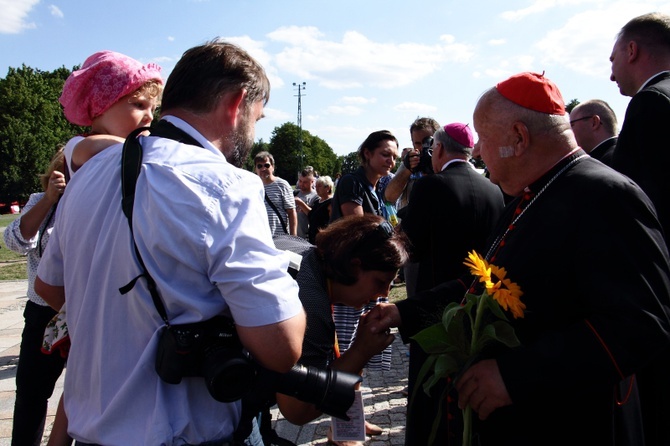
570, 105
349, 163
32, 127
285, 148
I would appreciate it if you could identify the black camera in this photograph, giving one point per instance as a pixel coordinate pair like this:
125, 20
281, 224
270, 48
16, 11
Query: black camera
212, 349
425, 165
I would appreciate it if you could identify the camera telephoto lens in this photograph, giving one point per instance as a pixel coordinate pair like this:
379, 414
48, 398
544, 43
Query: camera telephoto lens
228, 375
330, 390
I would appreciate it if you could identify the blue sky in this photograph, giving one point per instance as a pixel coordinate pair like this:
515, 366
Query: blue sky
368, 64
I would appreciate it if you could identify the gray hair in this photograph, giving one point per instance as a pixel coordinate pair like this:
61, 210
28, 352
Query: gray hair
325, 180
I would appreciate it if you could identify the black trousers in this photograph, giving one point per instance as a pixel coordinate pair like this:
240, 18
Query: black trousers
36, 376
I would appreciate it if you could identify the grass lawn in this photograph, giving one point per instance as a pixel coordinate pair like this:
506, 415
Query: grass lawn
12, 265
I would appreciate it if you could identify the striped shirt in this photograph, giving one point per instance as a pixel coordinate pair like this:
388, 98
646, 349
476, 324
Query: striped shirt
280, 194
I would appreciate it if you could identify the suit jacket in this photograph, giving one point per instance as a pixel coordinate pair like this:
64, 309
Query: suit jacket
449, 214
643, 148
604, 151
643, 154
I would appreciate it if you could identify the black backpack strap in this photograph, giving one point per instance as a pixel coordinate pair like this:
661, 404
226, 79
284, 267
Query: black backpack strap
131, 163
274, 208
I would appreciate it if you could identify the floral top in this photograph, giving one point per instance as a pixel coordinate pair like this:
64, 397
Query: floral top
32, 248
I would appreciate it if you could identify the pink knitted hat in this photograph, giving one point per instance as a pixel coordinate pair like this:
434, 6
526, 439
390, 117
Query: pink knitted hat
103, 79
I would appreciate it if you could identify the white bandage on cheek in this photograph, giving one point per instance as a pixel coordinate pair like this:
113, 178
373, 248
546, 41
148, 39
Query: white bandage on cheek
506, 151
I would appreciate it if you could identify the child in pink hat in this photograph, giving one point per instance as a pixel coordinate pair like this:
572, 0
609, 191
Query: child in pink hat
113, 94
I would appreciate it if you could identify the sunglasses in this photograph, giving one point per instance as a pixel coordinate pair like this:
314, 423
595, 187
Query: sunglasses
266, 165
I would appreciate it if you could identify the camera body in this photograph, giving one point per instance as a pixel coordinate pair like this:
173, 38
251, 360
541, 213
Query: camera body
211, 349
425, 165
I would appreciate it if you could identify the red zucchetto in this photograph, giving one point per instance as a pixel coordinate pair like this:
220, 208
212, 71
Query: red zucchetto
534, 92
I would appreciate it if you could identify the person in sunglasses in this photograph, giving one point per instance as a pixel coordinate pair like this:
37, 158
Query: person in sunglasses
279, 200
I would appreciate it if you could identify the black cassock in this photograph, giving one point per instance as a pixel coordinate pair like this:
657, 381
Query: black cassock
586, 248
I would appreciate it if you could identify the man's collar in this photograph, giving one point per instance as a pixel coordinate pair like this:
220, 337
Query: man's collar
648, 81
188, 128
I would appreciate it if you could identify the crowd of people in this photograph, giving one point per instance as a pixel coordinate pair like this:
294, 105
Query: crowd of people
197, 257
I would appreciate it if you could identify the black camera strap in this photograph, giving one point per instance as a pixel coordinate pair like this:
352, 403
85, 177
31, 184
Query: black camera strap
131, 163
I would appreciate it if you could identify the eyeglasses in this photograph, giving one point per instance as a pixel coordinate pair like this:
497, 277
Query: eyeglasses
581, 119
266, 165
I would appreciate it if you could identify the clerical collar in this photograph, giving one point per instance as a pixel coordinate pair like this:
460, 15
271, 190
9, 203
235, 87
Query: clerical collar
652, 78
544, 179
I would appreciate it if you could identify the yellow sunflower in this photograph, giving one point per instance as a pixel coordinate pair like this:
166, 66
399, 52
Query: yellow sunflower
478, 266
508, 295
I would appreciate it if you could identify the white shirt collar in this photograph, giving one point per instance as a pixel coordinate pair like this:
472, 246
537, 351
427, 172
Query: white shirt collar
456, 161
647, 81
188, 128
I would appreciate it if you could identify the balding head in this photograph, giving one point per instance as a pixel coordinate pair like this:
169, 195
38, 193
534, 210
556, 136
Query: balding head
593, 122
517, 144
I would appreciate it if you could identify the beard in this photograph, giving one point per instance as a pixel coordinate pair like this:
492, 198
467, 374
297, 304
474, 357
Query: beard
241, 143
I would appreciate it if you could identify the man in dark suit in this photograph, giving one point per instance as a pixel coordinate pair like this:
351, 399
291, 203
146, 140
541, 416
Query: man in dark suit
449, 214
641, 68
594, 124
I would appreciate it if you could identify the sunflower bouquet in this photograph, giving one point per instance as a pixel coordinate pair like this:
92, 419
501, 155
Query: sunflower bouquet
466, 328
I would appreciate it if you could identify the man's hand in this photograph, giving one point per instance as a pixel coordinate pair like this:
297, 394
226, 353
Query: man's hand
412, 159
482, 387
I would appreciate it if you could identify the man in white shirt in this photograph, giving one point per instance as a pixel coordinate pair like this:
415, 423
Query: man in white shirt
200, 227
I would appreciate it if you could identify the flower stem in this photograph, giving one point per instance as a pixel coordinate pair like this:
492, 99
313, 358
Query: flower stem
467, 412
467, 426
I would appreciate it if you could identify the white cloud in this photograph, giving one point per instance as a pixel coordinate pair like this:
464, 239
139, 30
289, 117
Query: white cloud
348, 110
357, 62
584, 43
496, 42
272, 114
56, 12
414, 107
539, 6
170, 38
14, 14
358, 100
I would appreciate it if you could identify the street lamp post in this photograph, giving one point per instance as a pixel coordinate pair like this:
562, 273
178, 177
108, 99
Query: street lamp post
301, 88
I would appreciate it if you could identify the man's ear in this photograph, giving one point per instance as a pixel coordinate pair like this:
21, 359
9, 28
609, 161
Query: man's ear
521, 139
235, 107
633, 51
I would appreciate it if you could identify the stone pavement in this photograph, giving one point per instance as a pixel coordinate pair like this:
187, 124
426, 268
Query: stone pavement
385, 405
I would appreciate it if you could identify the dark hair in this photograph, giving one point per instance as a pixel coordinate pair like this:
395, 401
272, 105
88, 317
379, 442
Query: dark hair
373, 141
649, 30
207, 72
261, 156
368, 238
424, 124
